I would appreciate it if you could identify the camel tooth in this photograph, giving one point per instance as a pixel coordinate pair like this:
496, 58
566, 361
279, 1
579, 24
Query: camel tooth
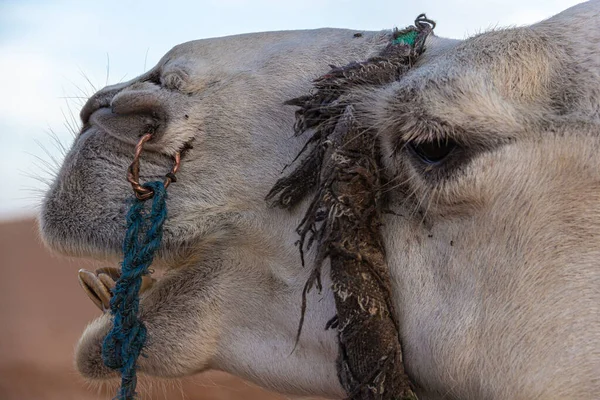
89, 283
114, 273
99, 285
107, 280
108, 276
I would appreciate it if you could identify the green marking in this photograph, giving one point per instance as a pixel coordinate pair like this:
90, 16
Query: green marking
408, 38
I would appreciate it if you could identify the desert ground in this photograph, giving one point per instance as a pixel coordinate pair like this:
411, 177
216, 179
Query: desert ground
42, 313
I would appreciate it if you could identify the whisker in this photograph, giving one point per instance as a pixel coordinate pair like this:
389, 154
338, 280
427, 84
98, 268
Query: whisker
88, 80
72, 97
429, 203
183, 395
146, 58
70, 122
45, 164
57, 142
74, 120
395, 186
107, 69
67, 123
83, 92
33, 197
49, 154
123, 77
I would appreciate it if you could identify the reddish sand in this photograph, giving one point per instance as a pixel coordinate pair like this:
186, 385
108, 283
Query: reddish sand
42, 313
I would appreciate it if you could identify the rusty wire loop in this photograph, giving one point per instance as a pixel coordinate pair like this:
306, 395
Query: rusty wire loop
133, 172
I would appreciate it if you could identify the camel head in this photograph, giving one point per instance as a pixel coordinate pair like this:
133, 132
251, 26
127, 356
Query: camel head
490, 146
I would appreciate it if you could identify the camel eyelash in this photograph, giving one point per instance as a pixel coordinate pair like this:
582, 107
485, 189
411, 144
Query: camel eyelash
432, 152
437, 160
444, 159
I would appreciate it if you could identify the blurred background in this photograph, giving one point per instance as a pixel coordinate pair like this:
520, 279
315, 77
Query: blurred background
55, 54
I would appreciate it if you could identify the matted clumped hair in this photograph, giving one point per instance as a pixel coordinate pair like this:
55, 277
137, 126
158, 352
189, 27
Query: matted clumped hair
340, 166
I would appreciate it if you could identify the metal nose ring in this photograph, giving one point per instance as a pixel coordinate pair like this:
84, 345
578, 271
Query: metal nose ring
133, 172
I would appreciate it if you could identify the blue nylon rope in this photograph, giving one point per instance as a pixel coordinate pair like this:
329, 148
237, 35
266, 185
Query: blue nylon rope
123, 344
407, 38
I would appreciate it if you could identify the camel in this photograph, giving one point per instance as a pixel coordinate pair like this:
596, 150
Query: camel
493, 239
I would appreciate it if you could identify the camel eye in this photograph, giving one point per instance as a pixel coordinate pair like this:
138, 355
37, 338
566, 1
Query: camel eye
433, 152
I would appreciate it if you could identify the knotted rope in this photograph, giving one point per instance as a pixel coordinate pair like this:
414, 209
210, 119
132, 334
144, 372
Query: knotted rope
123, 344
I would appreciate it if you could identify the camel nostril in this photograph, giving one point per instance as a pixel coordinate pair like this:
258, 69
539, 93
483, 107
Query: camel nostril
99, 100
127, 125
94, 103
129, 111
140, 98
147, 102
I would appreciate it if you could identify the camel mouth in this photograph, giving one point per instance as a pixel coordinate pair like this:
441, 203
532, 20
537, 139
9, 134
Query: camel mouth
99, 285
84, 212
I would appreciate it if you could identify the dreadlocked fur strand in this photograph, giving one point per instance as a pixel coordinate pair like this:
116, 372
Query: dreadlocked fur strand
342, 165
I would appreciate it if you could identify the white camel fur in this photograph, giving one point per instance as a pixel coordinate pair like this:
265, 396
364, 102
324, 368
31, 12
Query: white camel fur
494, 252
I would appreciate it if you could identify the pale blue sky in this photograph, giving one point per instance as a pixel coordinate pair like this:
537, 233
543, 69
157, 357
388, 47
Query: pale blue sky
52, 52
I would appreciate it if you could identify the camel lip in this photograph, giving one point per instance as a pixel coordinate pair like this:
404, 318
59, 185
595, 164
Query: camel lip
88, 251
80, 251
